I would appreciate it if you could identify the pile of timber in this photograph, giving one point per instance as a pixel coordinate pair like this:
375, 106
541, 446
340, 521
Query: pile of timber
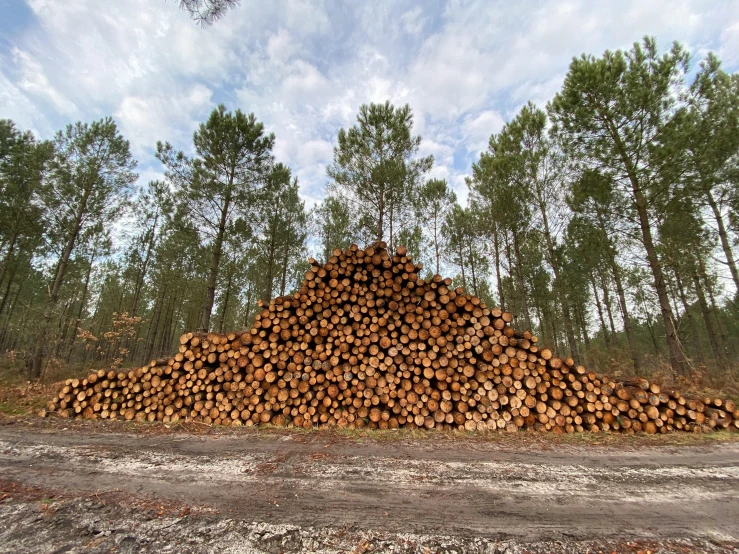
367, 342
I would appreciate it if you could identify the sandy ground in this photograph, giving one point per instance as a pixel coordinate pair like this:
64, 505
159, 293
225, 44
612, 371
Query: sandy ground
67, 489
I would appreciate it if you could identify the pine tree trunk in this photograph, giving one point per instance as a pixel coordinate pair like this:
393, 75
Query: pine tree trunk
225, 302
538, 311
141, 278
78, 319
44, 340
607, 303
616, 271
583, 327
554, 262
724, 239
472, 269
676, 355
381, 217
8, 257
496, 250
714, 307
172, 327
154, 329
606, 336
166, 336
706, 312
11, 312
690, 318
210, 296
6, 294
436, 242
521, 282
391, 236
270, 270
555, 331
650, 327
461, 266
285, 260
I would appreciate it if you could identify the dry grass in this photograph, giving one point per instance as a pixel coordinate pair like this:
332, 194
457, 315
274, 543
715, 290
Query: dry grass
702, 380
24, 399
19, 416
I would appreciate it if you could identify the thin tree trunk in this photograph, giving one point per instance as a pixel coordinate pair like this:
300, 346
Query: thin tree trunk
165, 339
392, 234
714, 307
83, 300
554, 262
583, 326
555, 331
8, 255
496, 250
141, 278
472, 269
616, 271
519, 271
609, 311
690, 318
606, 336
270, 270
513, 274
675, 353
706, 312
436, 242
461, 267
225, 302
248, 304
542, 331
210, 295
154, 329
11, 311
6, 295
724, 239
285, 260
172, 326
71, 241
651, 330
44, 341
381, 217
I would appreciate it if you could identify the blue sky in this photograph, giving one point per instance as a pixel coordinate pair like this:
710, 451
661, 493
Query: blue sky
304, 67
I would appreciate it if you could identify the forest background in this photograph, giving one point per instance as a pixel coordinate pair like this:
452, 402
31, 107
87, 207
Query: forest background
606, 220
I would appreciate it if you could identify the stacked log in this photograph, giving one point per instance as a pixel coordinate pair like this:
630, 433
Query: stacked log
367, 342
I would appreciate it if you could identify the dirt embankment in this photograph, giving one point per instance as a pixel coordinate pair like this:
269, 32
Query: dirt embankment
79, 490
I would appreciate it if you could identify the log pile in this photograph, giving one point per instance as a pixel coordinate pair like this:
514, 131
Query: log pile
367, 342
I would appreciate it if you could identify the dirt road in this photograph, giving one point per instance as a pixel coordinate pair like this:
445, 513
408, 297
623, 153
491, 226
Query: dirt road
344, 494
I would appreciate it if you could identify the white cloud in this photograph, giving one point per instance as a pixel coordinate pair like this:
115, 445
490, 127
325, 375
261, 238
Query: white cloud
33, 80
304, 80
729, 49
315, 152
477, 129
16, 105
459, 186
443, 153
304, 68
280, 46
145, 120
440, 171
413, 20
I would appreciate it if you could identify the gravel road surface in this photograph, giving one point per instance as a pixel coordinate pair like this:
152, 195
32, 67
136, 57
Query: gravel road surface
71, 490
